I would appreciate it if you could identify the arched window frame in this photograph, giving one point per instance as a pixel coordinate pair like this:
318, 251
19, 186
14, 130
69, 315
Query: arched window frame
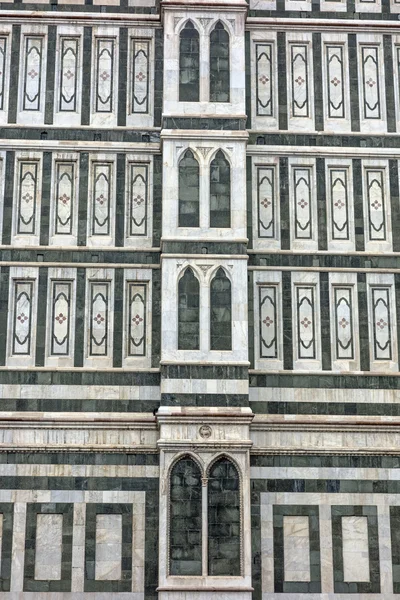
215, 73
212, 305
187, 91
184, 272
215, 215
190, 155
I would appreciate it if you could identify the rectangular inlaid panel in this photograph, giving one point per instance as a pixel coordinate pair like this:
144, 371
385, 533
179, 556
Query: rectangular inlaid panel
108, 547
1, 537
296, 544
48, 546
355, 549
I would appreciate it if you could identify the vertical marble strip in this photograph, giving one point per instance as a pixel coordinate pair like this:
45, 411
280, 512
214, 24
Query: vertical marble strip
363, 322
282, 84
45, 201
27, 197
86, 74
8, 196
248, 75
136, 319
397, 305
266, 202
358, 205
99, 314
3, 55
389, 89
64, 197
78, 547
249, 200
60, 323
4, 283
118, 316
18, 547
300, 84
138, 546
108, 547
158, 75
305, 316
156, 317
22, 318
302, 196
83, 195
395, 203
157, 199
339, 202
375, 189
1, 539
284, 201
104, 75
123, 74
264, 80
344, 326
355, 549
101, 200
41, 321
80, 321
370, 82
48, 550
268, 311
140, 63
354, 92
68, 75
381, 323
14, 74
250, 305
287, 320
120, 200
325, 322
33, 67
385, 549
50, 74
317, 62
326, 548
138, 199
266, 547
296, 548
335, 81
321, 205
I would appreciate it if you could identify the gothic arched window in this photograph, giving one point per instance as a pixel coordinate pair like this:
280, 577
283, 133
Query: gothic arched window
220, 312
223, 519
188, 312
189, 190
185, 518
189, 64
219, 64
220, 191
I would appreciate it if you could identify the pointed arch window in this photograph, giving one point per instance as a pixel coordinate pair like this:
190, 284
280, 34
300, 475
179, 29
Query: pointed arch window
185, 518
220, 312
189, 64
220, 191
189, 191
219, 64
188, 312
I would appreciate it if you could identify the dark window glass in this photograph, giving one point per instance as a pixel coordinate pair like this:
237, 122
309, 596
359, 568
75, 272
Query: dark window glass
188, 191
185, 518
188, 312
223, 519
219, 64
189, 61
221, 312
220, 192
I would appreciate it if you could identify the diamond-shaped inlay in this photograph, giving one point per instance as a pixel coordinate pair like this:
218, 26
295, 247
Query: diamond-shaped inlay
101, 199
22, 318
335, 81
343, 323
137, 319
376, 205
306, 322
64, 199
27, 197
299, 80
302, 203
339, 204
69, 74
268, 321
98, 319
263, 79
371, 82
104, 76
381, 324
138, 200
32, 73
61, 318
140, 76
265, 202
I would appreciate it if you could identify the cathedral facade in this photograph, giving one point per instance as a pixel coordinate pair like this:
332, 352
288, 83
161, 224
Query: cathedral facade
199, 296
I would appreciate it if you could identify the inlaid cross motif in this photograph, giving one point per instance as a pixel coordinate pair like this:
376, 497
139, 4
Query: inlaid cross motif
64, 199
302, 203
263, 79
69, 74
306, 322
339, 204
22, 318
343, 323
335, 81
375, 204
137, 319
32, 73
371, 82
299, 80
100, 199
27, 197
265, 202
381, 324
140, 76
104, 76
61, 318
268, 321
98, 319
139, 199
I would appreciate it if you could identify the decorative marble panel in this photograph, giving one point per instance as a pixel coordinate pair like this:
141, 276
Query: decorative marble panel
371, 105
300, 96
296, 548
69, 61
104, 75
335, 80
22, 318
339, 203
303, 226
48, 551
136, 319
138, 199
101, 198
64, 197
264, 80
61, 318
266, 201
355, 549
3, 57
344, 327
268, 321
108, 547
140, 76
381, 323
305, 304
33, 65
99, 314
27, 197
375, 189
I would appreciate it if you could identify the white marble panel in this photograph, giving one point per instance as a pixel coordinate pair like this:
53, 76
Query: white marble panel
355, 549
296, 548
108, 547
48, 547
